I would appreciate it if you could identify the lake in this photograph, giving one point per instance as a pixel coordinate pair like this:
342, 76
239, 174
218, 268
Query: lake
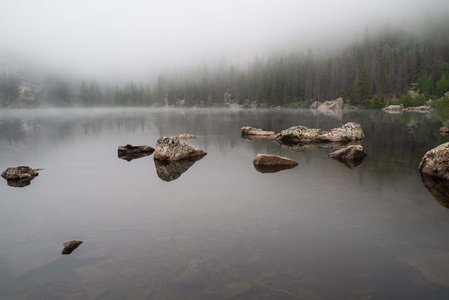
217, 228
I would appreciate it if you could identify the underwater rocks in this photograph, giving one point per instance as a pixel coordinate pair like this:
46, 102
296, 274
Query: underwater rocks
172, 148
436, 162
19, 176
172, 170
130, 152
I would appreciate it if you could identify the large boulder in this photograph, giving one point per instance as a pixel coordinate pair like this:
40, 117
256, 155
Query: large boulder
350, 152
251, 131
436, 162
172, 148
302, 135
332, 104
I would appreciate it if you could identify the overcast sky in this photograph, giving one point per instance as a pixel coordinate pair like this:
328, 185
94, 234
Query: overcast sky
140, 38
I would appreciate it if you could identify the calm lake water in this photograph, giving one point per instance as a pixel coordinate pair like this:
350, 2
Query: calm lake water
218, 229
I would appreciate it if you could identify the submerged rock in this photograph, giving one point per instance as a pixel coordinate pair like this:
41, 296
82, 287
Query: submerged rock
302, 135
172, 148
439, 188
251, 131
172, 170
69, 247
436, 162
194, 274
349, 153
130, 152
19, 176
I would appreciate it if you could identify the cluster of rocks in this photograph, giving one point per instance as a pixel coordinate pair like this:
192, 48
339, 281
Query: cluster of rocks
399, 108
302, 137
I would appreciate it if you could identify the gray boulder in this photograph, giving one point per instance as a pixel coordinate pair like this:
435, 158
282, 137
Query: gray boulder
172, 148
302, 135
332, 104
436, 162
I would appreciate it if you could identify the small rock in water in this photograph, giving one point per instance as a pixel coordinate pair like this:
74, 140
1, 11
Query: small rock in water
20, 176
69, 247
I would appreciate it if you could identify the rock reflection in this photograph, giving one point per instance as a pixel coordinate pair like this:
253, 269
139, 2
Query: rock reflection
439, 188
350, 163
172, 170
272, 169
131, 156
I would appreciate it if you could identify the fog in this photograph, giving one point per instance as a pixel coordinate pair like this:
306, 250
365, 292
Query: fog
138, 39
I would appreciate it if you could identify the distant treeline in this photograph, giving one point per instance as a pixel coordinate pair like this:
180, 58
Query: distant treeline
384, 66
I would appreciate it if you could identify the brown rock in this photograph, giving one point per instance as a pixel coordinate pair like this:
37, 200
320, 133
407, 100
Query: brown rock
130, 152
436, 162
69, 247
273, 160
186, 136
248, 131
350, 152
19, 176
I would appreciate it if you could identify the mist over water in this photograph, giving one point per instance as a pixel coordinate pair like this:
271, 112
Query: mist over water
136, 40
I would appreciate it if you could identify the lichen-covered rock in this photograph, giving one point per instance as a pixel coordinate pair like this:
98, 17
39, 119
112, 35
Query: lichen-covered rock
332, 104
350, 131
256, 131
172, 148
436, 162
350, 152
19, 173
69, 247
301, 134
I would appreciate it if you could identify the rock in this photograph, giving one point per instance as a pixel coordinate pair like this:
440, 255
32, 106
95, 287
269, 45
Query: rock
130, 152
394, 107
69, 247
315, 105
186, 136
273, 160
236, 290
19, 176
444, 130
350, 152
302, 135
268, 163
172, 170
422, 108
439, 188
251, 131
332, 104
172, 148
436, 162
